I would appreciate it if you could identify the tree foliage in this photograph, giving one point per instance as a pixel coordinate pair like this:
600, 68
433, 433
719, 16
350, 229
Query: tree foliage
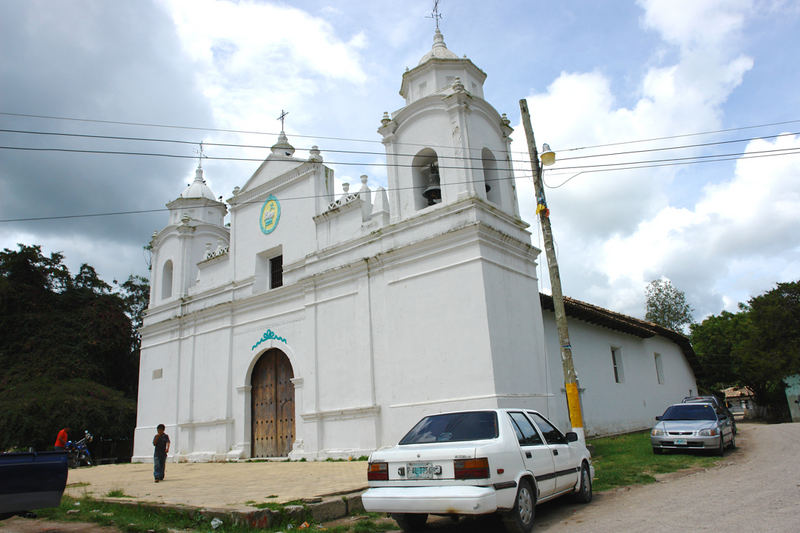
68, 350
666, 305
758, 346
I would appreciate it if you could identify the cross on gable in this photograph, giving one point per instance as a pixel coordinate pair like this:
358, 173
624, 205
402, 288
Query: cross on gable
282, 117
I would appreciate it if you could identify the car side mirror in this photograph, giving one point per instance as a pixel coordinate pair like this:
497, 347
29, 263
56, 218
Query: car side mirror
658, 417
572, 436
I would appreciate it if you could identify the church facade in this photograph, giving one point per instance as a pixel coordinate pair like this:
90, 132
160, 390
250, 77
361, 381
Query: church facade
320, 324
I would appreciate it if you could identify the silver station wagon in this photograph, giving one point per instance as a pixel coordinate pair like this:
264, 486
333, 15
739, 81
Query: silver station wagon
478, 462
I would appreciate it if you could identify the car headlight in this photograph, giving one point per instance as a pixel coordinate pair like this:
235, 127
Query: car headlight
657, 432
709, 432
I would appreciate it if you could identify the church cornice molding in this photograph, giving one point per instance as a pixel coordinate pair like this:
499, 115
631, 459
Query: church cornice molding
440, 103
274, 184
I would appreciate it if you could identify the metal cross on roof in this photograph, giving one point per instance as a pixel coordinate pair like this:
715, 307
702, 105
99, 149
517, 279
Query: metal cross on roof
200, 156
435, 15
282, 117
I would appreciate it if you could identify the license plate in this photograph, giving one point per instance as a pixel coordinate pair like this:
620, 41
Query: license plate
420, 471
679, 442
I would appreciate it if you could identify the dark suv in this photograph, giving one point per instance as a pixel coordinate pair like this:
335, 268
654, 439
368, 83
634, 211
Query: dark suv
713, 400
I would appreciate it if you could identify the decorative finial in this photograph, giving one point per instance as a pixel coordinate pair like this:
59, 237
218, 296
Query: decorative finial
282, 117
435, 15
386, 118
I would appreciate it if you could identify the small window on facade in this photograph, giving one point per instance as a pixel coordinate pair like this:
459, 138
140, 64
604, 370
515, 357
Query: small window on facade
276, 272
616, 360
158, 373
659, 369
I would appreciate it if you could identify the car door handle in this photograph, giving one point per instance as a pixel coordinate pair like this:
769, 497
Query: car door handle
528, 455
555, 452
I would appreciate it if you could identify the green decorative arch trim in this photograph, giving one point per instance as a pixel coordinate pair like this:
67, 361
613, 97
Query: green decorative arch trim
269, 334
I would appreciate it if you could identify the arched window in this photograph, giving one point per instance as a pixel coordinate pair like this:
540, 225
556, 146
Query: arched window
490, 176
166, 280
425, 174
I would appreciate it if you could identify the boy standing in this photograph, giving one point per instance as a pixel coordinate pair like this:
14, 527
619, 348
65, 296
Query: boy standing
161, 443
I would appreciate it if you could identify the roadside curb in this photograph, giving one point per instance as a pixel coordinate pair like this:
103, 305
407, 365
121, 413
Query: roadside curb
317, 509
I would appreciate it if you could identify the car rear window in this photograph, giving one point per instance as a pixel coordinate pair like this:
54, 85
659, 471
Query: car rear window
690, 411
453, 427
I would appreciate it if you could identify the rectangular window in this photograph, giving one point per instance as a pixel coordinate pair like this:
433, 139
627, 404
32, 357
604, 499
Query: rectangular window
276, 272
659, 368
616, 360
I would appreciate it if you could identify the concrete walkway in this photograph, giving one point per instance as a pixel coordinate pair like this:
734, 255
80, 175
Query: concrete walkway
221, 486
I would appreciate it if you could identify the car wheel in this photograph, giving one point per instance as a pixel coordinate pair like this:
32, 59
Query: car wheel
410, 521
721, 450
733, 441
520, 518
657, 451
584, 494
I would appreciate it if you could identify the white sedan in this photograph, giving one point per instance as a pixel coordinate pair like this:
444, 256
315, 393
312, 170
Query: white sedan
478, 462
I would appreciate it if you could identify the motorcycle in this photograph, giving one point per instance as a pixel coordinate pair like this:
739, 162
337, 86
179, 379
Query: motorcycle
78, 453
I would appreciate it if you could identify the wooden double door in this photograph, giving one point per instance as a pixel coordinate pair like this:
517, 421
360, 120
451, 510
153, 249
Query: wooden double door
272, 405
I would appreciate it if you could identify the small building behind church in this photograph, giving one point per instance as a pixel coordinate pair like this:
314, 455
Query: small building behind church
320, 323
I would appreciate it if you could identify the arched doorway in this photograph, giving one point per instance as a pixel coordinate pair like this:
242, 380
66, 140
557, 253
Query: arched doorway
272, 405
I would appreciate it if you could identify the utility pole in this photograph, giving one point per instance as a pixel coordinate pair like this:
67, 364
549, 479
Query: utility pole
570, 377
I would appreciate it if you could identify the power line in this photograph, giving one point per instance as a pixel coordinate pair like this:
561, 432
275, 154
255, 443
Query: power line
378, 164
347, 139
307, 197
362, 152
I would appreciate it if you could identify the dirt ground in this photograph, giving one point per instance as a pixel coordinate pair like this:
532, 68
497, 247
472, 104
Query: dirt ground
755, 488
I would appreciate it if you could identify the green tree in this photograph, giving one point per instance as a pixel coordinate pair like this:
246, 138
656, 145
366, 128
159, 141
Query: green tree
66, 351
666, 305
758, 346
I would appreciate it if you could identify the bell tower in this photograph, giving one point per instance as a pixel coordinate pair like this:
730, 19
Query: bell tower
448, 142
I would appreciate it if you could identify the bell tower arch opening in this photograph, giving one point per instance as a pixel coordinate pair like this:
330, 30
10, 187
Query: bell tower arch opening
166, 280
272, 405
425, 178
490, 177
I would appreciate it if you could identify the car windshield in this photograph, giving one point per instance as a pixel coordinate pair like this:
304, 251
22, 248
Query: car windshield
690, 411
453, 427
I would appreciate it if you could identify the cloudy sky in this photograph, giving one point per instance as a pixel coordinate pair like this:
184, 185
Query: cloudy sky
714, 206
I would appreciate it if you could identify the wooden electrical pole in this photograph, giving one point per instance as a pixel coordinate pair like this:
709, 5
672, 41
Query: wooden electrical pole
570, 377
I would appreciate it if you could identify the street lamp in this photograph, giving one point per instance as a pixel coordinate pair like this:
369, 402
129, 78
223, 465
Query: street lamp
548, 156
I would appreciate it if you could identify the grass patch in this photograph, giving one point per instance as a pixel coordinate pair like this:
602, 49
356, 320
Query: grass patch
628, 459
140, 519
117, 493
78, 484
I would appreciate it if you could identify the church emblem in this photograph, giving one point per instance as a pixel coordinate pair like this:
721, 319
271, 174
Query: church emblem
270, 215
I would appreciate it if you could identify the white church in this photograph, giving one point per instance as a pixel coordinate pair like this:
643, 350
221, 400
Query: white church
324, 324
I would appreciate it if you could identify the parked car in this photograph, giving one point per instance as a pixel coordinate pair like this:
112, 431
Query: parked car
478, 462
713, 400
693, 426
31, 480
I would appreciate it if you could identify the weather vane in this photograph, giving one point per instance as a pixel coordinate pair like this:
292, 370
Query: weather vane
435, 15
282, 117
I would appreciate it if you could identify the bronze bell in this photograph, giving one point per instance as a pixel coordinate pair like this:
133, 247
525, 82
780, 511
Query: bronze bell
434, 191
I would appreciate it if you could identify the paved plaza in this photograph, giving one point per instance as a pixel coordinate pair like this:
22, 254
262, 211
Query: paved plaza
226, 486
